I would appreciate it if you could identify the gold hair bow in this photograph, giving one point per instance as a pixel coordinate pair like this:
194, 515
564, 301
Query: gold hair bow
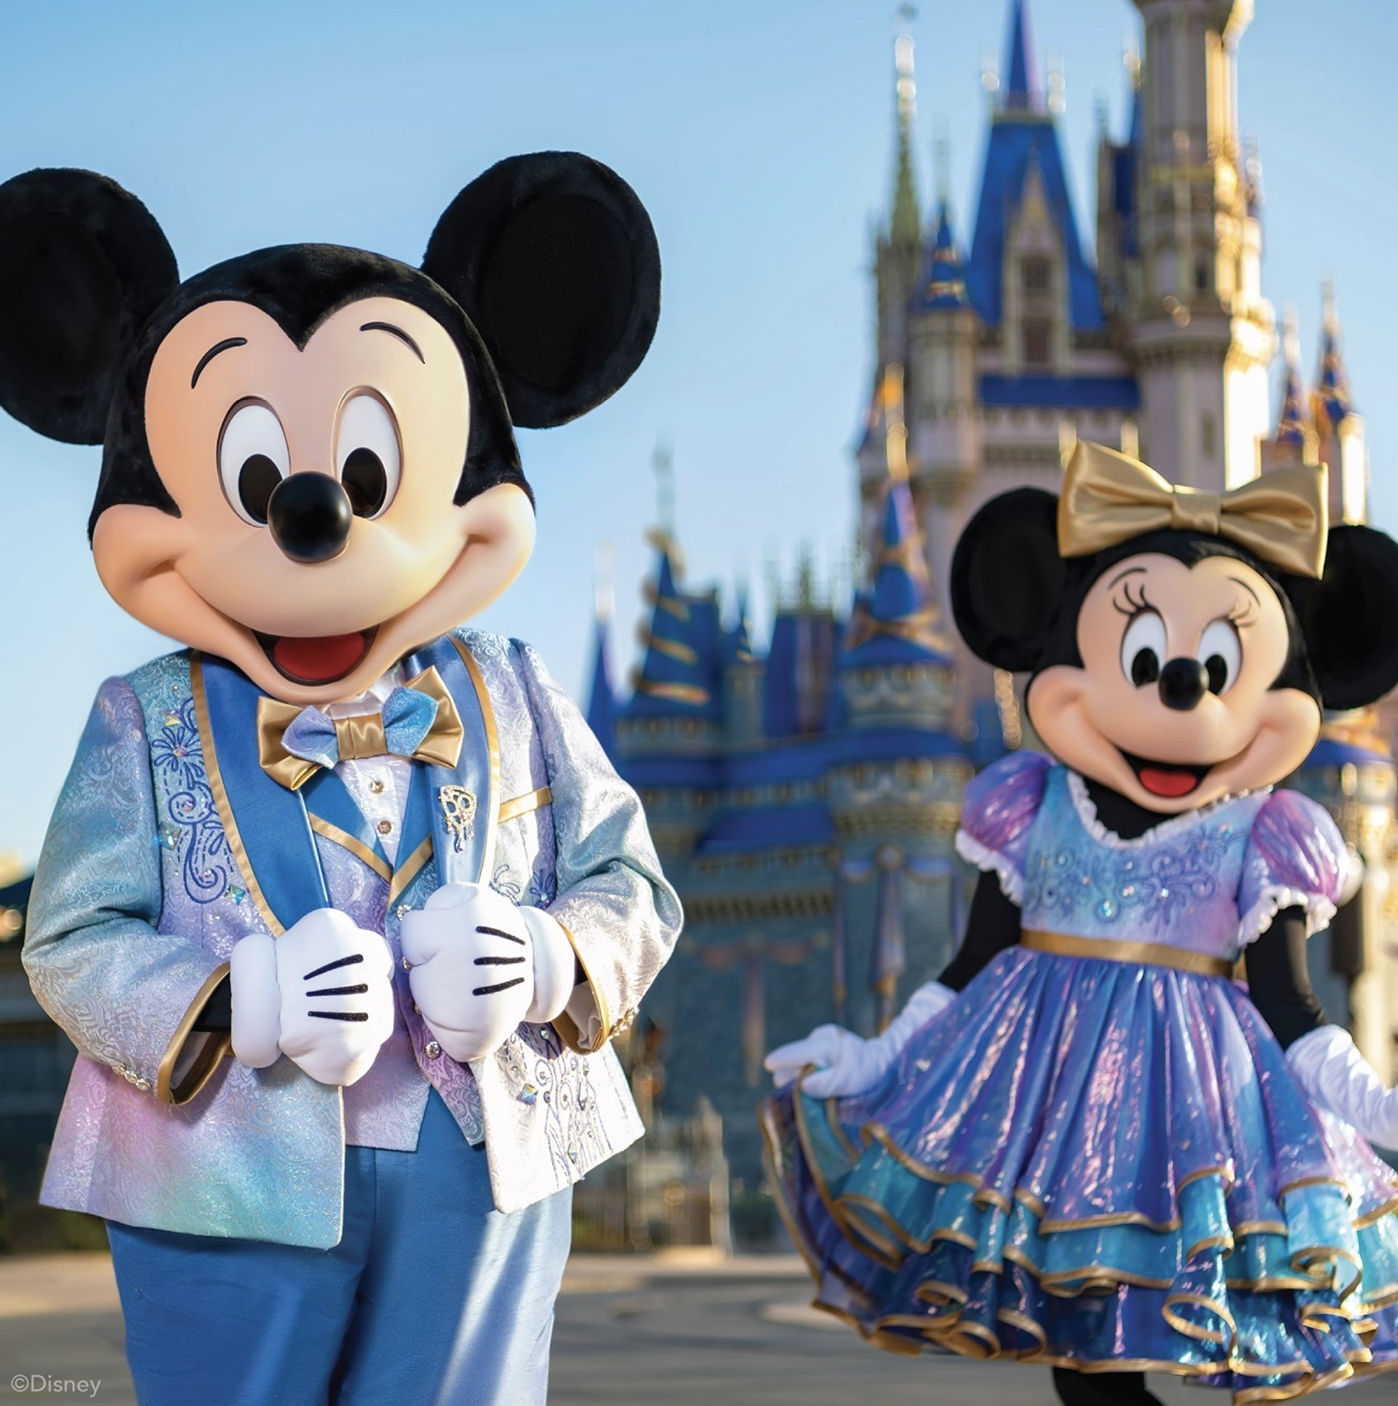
1109, 498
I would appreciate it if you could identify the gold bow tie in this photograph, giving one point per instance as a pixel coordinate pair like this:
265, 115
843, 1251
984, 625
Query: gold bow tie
1109, 498
361, 736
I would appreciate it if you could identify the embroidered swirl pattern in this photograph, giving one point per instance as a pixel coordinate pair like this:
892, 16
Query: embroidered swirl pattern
206, 862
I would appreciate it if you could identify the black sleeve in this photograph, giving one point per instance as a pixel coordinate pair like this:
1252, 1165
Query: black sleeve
994, 925
1278, 980
217, 1014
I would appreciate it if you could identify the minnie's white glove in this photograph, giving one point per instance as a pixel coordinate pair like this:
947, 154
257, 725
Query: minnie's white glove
480, 966
848, 1064
1328, 1065
321, 994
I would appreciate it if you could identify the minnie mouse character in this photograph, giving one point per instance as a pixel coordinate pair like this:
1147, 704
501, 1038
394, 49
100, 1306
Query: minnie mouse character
1088, 1145
341, 904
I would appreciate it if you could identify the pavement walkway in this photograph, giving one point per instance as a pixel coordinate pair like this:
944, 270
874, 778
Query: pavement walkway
684, 1329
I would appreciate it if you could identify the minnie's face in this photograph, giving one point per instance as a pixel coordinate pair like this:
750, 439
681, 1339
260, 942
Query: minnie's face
317, 540
1174, 705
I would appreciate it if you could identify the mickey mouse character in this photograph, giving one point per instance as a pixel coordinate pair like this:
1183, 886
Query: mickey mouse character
376, 858
1087, 1145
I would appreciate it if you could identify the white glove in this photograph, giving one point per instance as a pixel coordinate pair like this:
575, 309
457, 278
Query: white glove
849, 1065
480, 966
321, 994
1338, 1078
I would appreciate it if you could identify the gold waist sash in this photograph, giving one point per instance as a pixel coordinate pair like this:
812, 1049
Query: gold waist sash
1155, 954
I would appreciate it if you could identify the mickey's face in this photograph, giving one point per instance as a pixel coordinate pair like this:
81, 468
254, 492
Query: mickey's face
1173, 705
309, 461
317, 540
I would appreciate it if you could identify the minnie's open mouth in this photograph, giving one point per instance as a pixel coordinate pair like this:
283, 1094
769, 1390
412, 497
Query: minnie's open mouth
1169, 779
317, 659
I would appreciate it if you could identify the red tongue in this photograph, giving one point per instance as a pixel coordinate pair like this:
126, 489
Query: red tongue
319, 660
1160, 782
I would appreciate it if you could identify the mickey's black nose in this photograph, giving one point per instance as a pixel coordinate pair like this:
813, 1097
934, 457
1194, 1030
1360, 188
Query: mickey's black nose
1183, 682
310, 517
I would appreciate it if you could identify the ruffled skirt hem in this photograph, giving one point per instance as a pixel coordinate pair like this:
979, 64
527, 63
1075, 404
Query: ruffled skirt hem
1270, 1292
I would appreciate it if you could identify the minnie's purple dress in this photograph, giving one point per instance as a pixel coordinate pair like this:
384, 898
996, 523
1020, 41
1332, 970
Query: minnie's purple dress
1104, 1161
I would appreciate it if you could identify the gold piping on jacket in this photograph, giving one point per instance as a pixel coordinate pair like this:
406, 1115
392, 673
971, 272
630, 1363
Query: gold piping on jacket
356, 846
1155, 954
523, 805
565, 1025
407, 871
225, 811
216, 1044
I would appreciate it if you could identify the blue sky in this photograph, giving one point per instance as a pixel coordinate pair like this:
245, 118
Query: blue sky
760, 138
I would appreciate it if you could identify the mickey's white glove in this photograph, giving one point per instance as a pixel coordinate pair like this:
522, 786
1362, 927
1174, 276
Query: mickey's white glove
849, 1065
321, 994
1328, 1065
480, 966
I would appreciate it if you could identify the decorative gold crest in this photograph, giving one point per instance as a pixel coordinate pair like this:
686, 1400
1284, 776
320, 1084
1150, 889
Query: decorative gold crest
459, 812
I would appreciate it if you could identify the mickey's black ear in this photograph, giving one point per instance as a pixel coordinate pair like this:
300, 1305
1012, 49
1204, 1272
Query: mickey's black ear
1007, 578
1350, 617
555, 262
82, 267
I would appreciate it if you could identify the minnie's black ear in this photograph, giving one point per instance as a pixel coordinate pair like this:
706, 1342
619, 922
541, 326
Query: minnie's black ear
555, 262
1350, 617
1007, 578
82, 267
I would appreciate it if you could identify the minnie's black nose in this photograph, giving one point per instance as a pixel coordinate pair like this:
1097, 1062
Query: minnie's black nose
310, 517
1183, 682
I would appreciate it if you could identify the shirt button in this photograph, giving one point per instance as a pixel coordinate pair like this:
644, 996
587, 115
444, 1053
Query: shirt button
376, 786
385, 827
432, 1049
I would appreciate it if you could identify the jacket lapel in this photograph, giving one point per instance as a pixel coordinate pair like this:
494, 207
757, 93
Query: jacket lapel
266, 826
451, 812
335, 814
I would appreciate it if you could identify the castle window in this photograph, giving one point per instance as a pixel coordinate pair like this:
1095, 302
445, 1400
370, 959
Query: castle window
1034, 274
1036, 336
1201, 277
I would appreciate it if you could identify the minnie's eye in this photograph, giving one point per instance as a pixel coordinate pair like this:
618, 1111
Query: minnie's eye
1221, 654
367, 454
252, 459
1143, 647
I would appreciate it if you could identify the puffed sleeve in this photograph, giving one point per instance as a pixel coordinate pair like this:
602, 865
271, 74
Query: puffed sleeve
1295, 858
613, 902
125, 993
998, 809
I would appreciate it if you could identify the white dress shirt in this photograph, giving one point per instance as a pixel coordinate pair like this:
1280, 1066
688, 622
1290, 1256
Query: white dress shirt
379, 785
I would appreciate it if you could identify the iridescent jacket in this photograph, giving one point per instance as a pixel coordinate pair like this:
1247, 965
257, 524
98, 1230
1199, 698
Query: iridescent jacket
168, 845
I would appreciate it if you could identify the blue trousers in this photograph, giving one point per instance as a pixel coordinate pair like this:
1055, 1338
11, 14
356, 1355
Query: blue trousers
432, 1295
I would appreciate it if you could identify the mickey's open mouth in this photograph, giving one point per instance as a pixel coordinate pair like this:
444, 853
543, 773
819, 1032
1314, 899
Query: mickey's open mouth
1168, 779
317, 659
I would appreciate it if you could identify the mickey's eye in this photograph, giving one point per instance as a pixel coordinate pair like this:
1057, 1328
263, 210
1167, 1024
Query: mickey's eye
1143, 647
1221, 654
252, 459
367, 454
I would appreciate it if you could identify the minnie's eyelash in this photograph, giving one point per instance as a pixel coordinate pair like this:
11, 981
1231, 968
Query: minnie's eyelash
1242, 615
1134, 604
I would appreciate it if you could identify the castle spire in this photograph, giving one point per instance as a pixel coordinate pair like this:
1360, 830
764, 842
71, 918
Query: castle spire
944, 281
1332, 402
1293, 423
673, 674
896, 621
602, 701
905, 222
1023, 91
